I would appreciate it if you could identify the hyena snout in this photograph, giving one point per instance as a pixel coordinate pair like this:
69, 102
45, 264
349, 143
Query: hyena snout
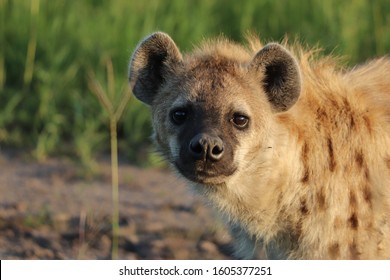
206, 147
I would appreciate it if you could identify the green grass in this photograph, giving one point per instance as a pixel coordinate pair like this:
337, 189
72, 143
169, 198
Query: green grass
54, 54
47, 49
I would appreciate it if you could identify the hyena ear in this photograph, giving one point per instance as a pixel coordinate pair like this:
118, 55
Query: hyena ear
281, 78
152, 60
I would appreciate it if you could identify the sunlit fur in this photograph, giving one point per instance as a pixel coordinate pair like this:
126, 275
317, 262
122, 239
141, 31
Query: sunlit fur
313, 182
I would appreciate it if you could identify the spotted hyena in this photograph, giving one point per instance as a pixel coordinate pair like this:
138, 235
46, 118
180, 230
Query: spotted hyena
292, 150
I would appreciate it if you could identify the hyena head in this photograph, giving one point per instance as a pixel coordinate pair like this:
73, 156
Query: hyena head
212, 110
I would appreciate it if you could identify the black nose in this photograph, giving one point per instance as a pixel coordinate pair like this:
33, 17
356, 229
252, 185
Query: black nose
204, 146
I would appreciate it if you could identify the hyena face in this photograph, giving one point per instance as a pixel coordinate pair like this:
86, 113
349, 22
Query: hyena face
212, 110
204, 124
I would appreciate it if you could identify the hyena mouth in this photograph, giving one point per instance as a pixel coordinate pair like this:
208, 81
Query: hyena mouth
203, 173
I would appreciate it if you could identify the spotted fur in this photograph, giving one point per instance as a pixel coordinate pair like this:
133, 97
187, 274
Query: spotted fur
309, 177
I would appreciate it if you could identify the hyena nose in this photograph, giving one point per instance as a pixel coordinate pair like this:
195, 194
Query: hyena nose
204, 146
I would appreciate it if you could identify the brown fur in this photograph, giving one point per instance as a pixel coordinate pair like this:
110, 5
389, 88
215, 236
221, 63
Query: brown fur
308, 177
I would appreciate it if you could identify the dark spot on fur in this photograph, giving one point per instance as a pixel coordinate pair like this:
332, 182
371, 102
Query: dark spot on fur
332, 162
347, 107
367, 174
353, 221
305, 177
321, 199
359, 159
280, 197
304, 157
352, 122
318, 126
334, 251
388, 162
354, 252
352, 199
367, 195
335, 104
303, 208
349, 112
321, 115
305, 152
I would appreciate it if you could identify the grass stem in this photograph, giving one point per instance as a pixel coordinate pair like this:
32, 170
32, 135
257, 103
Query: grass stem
32, 44
115, 187
114, 109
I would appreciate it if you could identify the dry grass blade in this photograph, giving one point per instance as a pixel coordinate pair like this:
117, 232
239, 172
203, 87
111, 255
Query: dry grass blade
97, 89
107, 99
123, 100
110, 79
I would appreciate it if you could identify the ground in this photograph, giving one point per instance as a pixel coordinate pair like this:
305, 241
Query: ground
47, 211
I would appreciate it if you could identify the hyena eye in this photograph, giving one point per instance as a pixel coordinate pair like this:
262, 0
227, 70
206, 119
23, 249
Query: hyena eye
240, 121
179, 116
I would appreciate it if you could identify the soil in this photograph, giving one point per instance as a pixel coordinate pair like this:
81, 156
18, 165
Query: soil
48, 211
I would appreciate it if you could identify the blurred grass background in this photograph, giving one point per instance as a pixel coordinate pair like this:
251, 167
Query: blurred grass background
49, 47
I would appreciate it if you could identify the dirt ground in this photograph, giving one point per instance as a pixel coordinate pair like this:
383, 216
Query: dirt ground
47, 211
